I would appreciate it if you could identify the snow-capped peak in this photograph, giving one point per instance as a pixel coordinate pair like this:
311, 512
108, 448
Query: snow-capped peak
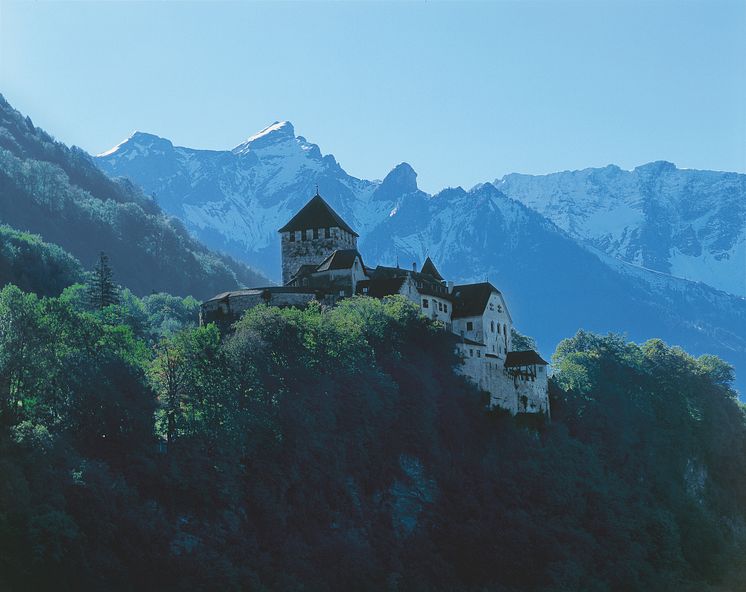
139, 140
279, 131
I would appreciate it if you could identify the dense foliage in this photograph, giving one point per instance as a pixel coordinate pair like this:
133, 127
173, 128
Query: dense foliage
337, 450
35, 266
60, 194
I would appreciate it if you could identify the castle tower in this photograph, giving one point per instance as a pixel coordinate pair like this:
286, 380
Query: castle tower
313, 234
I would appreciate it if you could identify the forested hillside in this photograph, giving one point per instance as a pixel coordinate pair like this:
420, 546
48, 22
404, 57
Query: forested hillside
337, 450
36, 266
58, 193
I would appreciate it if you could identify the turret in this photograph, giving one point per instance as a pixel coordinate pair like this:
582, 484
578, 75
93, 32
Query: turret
313, 234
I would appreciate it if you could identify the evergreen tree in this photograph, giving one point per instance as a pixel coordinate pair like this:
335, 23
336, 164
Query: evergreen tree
102, 291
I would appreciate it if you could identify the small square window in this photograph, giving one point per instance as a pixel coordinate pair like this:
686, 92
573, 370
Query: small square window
425, 303
469, 326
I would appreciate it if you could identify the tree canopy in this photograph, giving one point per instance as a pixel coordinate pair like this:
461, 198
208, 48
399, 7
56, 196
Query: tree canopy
328, 449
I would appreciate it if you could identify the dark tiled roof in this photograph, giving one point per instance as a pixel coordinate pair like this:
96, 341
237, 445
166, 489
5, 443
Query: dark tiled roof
524, 358
316, 214
470, 300
428, 268
426, 284
378, 288
305, 270
339, 259
256, 291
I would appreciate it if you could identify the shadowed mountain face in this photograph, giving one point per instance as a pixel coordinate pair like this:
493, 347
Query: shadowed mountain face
60, 194
555, 278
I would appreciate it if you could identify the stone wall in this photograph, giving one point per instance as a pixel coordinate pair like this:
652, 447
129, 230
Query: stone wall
227, 310
311, 251
517, 394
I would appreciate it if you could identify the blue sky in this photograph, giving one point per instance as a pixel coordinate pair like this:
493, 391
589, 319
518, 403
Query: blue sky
464, 92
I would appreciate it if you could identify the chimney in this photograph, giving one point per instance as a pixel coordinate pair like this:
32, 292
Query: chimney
414, 266
450, 287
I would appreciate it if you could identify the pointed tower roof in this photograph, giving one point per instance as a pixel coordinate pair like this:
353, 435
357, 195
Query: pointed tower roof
316, 214
429, 268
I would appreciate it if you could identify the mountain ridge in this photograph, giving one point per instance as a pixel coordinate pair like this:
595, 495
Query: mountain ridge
236, 203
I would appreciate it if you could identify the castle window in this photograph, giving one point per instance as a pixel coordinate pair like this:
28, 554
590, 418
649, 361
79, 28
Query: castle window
479, 354
498, 328
425, 303
469, 326
471, 353
315, 233
492, 326
303, 235
291, 237
327, 232
445, 308
440, 306
492, 306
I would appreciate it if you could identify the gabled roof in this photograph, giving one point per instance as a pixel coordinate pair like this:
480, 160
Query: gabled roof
316, 214
470, 300
305, 270
381, 287
428, 268
524, 358
426, 284
339, 259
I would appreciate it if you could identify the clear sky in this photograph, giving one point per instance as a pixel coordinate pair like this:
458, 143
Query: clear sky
464, 92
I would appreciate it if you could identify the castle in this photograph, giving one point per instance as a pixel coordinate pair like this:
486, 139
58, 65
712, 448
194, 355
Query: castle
320, 261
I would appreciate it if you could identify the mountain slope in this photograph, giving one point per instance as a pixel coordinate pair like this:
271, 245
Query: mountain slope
237, 200
553, 284
60, 194
686, 223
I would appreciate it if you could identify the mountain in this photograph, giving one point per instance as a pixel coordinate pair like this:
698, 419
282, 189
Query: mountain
60, 194
237, 199
687, 223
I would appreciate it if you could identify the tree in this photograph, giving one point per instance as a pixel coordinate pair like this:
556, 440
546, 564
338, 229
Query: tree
102, 291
